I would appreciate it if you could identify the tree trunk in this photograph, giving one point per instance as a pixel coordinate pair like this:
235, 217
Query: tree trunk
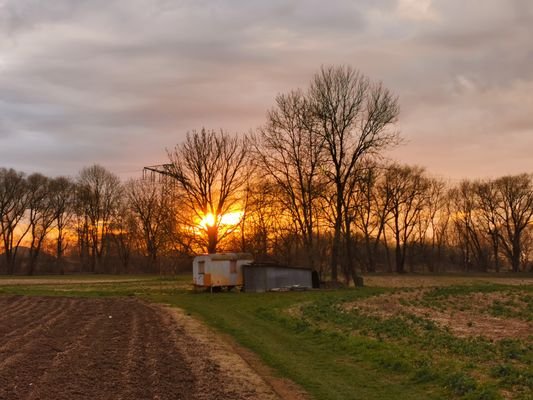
335, 254
335, 248
212, 238
387, 252
350, 258
399, 261
517, 250
495, 251
370, 264
398, 248
309, 249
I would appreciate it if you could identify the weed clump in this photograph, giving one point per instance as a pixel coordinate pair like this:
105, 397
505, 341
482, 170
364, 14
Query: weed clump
461, 384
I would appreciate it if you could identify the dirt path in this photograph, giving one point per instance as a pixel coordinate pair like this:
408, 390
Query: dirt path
242, 370
72, 348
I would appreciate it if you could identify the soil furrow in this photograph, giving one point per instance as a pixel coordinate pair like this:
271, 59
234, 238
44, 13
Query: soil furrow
13, 303
20, 313
15, 341
167, 374
78, 334
31, 319
130, 364
108, 349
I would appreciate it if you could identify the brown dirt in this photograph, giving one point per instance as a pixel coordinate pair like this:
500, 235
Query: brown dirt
121, 348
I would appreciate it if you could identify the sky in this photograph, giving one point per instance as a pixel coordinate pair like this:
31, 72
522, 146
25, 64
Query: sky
117, 82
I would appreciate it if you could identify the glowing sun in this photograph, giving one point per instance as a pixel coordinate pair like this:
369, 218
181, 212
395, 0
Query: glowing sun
229, 219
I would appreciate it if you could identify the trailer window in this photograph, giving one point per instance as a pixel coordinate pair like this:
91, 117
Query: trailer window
201, 267
233, 266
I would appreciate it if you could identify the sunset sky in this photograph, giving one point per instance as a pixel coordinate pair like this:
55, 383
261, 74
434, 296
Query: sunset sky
116, 82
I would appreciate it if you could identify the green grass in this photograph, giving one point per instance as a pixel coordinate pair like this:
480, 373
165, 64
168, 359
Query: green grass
327, 363
95, 285
337, 352
434, 354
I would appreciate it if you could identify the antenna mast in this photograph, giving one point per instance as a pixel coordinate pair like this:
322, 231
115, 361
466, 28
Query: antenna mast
160, 171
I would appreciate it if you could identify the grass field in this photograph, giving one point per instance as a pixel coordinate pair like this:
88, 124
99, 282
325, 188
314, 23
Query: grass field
398, 338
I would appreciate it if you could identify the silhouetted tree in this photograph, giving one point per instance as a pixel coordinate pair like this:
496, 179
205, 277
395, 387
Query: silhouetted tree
515, 213
292, 153
123, 230
437, 219
98, 193
489, 199
471, 235
371, 209
151, 206
407, 189
62, 196
13, 203
40, 215
355, 118
209, 170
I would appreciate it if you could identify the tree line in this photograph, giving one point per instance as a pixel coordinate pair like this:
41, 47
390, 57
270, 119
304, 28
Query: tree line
310, 187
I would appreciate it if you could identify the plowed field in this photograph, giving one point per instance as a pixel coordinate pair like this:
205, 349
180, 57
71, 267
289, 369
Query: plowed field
120, 348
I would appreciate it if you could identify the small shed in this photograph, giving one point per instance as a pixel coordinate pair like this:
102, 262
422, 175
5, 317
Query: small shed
219, 269
262, 277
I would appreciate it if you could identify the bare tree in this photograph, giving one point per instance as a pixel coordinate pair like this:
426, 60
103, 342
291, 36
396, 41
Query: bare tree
265, 217
355, 118
438, 214
123, 233
292, 154
492, 217
432, 224
489, 200
371, 211
468, 225
98, 193
515, 213
407, 187
40, 215
62, 196
209, 170
13, 203
151, 205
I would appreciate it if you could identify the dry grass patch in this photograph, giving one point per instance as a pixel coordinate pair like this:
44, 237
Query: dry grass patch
465, 316
417, 281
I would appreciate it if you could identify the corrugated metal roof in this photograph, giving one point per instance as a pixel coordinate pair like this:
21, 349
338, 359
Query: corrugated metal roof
228, 256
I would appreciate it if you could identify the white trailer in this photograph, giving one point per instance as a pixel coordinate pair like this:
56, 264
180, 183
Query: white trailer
219, 270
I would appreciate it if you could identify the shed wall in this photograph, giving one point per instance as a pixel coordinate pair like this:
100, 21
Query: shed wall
261, 279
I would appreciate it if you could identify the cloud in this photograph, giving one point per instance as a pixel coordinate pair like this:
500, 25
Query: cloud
417, 10
118, 81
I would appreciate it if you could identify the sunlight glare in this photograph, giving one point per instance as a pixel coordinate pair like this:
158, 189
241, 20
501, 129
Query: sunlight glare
229, 219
